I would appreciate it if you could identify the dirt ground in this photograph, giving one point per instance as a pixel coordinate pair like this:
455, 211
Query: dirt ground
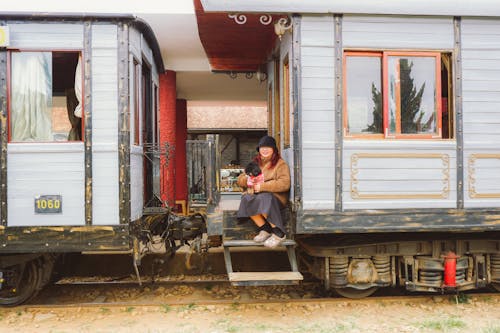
474, 313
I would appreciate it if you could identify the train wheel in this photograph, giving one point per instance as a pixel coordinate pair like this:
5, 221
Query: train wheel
496, 286
355, 293
21, 283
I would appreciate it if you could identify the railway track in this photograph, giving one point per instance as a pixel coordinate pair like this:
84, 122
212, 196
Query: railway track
216, 290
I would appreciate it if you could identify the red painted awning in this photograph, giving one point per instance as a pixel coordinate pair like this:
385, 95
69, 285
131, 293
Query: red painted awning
231, 46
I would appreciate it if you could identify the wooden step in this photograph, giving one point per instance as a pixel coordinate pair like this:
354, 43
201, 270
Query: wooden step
264, 278
244, 242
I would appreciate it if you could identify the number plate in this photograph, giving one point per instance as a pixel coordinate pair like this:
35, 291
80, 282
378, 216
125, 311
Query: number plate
48, 204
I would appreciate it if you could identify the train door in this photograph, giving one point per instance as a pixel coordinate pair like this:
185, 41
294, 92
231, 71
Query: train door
148, 130
45, 150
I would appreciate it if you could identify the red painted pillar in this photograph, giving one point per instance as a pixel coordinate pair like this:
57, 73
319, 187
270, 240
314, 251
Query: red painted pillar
181, 191
168, 96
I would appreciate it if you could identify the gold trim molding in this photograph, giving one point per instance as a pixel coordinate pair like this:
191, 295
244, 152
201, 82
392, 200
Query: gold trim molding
472, 176
445, 159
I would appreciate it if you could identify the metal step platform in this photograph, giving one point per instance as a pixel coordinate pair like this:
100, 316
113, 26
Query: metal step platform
262, 278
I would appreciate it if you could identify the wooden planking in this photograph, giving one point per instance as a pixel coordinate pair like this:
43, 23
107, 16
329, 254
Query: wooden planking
33, 172
105, 194
49, 36
105, 124
483, 179
403, 177
318, 110
392, 32
481, 107
264, 276
136, 182
316, 30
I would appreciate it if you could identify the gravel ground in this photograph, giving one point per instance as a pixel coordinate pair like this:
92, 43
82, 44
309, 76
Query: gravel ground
215, 308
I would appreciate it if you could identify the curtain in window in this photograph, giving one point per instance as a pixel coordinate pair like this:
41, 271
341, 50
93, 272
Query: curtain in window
78, 87
31, 98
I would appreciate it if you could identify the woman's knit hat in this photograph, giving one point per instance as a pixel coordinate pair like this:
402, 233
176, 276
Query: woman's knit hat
267, 141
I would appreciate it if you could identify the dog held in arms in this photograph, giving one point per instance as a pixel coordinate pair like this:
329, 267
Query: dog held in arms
255, 176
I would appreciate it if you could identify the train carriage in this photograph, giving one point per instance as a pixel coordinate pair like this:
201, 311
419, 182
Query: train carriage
79, 137
387, 115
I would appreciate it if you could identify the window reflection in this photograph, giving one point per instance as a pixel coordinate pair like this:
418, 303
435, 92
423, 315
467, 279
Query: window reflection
364, 97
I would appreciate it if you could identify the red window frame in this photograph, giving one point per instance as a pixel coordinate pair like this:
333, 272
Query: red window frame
345, 111
9, 91
384, 55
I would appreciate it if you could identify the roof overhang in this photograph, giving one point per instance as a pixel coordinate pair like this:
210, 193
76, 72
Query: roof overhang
235, 44
389, 7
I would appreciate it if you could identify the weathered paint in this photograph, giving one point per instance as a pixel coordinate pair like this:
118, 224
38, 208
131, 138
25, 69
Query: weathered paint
168, 94
3, 138
64, 239
123, 124
87, 116
407, 220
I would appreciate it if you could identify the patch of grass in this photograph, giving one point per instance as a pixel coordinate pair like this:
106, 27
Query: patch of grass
129, 309
19, 313
491, 329
442, 324
326, 328
105, 310
460, 298
166, 308
209, 287
190, 306
235, 306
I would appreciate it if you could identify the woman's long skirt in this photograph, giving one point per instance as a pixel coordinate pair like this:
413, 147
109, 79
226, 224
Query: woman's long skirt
261, 203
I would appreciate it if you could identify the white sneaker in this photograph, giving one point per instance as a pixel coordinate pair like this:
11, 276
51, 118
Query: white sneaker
261, 236
274, 241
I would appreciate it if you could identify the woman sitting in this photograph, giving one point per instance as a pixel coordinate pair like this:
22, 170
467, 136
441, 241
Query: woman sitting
268, 198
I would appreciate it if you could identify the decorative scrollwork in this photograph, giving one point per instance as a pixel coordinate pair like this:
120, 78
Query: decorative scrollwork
238, 18
265, 19
355, 191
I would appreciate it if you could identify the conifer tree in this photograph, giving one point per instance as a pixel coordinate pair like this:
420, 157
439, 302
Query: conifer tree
411, 116
377, 125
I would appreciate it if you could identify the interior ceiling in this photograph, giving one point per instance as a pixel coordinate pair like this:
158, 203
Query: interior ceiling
231, 46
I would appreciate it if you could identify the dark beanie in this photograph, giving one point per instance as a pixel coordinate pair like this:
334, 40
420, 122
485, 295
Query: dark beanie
267, 141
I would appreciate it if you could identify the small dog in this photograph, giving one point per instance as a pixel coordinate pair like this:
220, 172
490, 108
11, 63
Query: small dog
255, 176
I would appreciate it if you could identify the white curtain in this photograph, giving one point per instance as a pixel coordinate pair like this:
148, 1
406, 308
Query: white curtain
78, 87
31, 103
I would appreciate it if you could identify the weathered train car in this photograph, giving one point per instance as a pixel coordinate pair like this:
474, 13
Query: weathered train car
79, 112
387, 113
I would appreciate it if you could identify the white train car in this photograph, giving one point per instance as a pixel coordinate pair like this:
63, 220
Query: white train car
78, 109
387, 113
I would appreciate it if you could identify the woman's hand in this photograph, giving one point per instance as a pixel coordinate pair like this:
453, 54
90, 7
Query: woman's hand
256, 188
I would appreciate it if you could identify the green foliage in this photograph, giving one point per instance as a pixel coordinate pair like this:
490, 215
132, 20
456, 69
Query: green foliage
443, 324
460, 298
129, 309
411, 116
105, 310
378, 123
166, 308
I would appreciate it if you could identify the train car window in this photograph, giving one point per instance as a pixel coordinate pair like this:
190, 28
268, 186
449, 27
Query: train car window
397, 95
363, 94
136, 103
45, 102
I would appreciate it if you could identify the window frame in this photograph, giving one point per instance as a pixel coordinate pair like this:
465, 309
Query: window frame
345, 114
286, 102
384, 55
9, 92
